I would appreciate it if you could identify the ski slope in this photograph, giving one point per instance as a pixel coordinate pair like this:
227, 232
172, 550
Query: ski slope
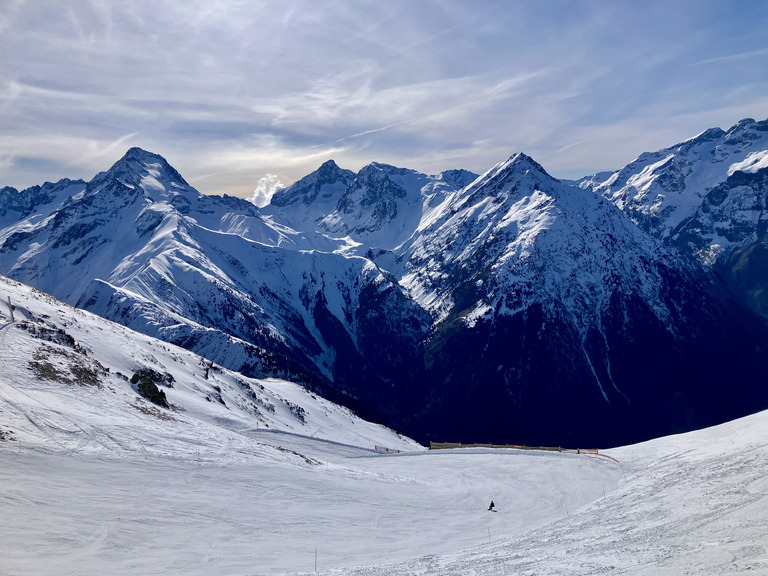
97, 480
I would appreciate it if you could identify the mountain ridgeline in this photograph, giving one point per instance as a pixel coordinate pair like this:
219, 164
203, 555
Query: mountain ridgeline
507, 307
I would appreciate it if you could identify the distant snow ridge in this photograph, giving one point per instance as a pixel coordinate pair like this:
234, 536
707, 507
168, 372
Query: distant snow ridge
661, 190
706, 196
509, 307
380, 206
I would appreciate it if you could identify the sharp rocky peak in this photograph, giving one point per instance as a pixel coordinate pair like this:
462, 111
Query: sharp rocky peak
137, 165
523, 163
376, 171
518, 167
328, 181
519, 173
329, 167
372, 186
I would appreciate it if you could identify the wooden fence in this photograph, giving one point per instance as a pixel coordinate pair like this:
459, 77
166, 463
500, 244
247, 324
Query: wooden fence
451, 445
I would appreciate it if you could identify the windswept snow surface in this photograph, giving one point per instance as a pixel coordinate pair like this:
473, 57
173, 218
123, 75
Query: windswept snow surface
97, 480
696, 503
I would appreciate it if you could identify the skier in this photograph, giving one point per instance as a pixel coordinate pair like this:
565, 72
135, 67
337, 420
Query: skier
492, 506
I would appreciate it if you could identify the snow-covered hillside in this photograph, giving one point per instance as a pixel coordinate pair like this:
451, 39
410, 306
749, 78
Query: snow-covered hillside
72, 381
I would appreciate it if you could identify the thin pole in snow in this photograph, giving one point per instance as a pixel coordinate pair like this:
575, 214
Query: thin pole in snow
489, 533
566, 509
315, 558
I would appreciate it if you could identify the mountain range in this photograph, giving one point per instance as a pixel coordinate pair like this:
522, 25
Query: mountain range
506, 307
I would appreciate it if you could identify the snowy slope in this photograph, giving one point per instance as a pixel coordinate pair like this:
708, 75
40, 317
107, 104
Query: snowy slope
66, 384
688, 504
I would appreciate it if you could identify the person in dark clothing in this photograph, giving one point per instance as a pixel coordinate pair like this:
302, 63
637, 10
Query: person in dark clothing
492, 506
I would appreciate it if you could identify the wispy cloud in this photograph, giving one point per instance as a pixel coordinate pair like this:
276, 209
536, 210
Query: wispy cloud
234, 90
96, 151
732, 57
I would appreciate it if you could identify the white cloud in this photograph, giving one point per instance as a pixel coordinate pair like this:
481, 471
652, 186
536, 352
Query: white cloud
265, 189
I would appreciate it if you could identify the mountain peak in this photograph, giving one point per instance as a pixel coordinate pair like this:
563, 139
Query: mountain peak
523, 163
457, 177
139, 154
369, 170
517, 168
141, 168
708, 135
140, 160
325, 185
747, 127
744, 123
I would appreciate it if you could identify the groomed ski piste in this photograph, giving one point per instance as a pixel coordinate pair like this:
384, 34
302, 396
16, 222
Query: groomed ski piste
244, 477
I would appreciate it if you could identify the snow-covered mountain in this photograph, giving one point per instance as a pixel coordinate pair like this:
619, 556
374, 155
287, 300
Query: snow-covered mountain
707, 196
509, 307
548, 301
381, 206
306, 202
206, 272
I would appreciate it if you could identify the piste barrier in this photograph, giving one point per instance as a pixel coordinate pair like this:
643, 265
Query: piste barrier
453, 445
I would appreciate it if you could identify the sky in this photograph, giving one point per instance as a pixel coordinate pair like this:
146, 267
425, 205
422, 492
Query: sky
245, 94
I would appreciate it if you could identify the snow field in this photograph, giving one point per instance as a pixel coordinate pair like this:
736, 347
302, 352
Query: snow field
72, 513
690, 504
